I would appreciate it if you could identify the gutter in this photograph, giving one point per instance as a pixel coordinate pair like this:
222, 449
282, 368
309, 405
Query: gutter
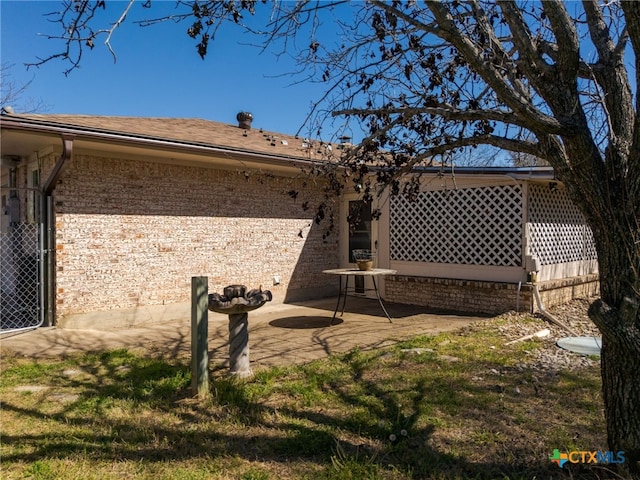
60, 166
516, 173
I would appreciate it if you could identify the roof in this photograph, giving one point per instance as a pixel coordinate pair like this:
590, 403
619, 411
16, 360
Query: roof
206, 137
172, 131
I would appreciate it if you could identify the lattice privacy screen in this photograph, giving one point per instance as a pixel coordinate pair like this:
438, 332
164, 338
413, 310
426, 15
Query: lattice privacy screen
557, 230
469, 226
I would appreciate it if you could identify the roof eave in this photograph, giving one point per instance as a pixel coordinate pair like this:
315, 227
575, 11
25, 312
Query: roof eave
89, 134
517, 173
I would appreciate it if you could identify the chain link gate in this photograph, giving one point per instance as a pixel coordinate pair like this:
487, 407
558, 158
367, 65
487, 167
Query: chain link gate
21, 258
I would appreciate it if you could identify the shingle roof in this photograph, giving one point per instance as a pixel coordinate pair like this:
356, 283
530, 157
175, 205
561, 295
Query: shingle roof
191, 131
199, 132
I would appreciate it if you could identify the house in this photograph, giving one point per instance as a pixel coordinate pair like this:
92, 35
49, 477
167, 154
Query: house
486, 240
132, 208
105, 220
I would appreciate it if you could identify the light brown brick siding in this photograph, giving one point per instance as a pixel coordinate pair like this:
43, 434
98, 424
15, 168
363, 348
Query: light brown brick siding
457, 295
132, 233
561, 291
485, 297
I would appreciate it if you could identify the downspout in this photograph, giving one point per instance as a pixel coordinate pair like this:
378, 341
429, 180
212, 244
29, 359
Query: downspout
546, 314
48, 220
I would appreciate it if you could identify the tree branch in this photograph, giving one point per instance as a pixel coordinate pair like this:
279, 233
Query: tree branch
568, 57
107, 42
427, 155
444, 111
531, 61
516, 102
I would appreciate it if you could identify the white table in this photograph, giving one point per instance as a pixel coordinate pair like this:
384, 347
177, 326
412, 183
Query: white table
354, 272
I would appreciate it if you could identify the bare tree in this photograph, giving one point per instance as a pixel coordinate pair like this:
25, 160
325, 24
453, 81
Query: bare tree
12, 93
548, 80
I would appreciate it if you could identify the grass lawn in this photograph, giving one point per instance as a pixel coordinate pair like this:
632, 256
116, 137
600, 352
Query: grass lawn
460, 405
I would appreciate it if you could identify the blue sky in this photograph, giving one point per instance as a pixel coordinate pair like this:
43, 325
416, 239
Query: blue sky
158, 72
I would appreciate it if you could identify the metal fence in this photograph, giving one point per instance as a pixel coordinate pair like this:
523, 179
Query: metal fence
20, 277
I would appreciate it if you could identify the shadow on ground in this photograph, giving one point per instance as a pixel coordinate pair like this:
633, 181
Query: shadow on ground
304, 322
348, 420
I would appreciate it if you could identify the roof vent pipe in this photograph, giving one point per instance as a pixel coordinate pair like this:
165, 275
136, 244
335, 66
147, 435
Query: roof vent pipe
244, 120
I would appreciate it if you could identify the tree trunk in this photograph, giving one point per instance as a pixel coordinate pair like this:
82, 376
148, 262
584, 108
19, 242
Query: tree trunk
617, 316
620, 362
608, 197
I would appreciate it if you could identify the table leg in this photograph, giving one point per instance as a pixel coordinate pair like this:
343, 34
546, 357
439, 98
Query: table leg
375, 287
344, 294
339, 297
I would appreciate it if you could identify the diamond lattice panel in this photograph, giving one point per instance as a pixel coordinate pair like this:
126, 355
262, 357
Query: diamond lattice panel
471, 226
19, 278
557, 230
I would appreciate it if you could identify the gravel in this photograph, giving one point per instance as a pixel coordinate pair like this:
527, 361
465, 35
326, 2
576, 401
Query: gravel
548, 357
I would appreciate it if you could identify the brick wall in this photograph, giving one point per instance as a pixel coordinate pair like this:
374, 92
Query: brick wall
560, 291
131, 233
485, 297
457, 295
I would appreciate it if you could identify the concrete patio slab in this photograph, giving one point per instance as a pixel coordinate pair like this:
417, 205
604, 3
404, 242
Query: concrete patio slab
278, 334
